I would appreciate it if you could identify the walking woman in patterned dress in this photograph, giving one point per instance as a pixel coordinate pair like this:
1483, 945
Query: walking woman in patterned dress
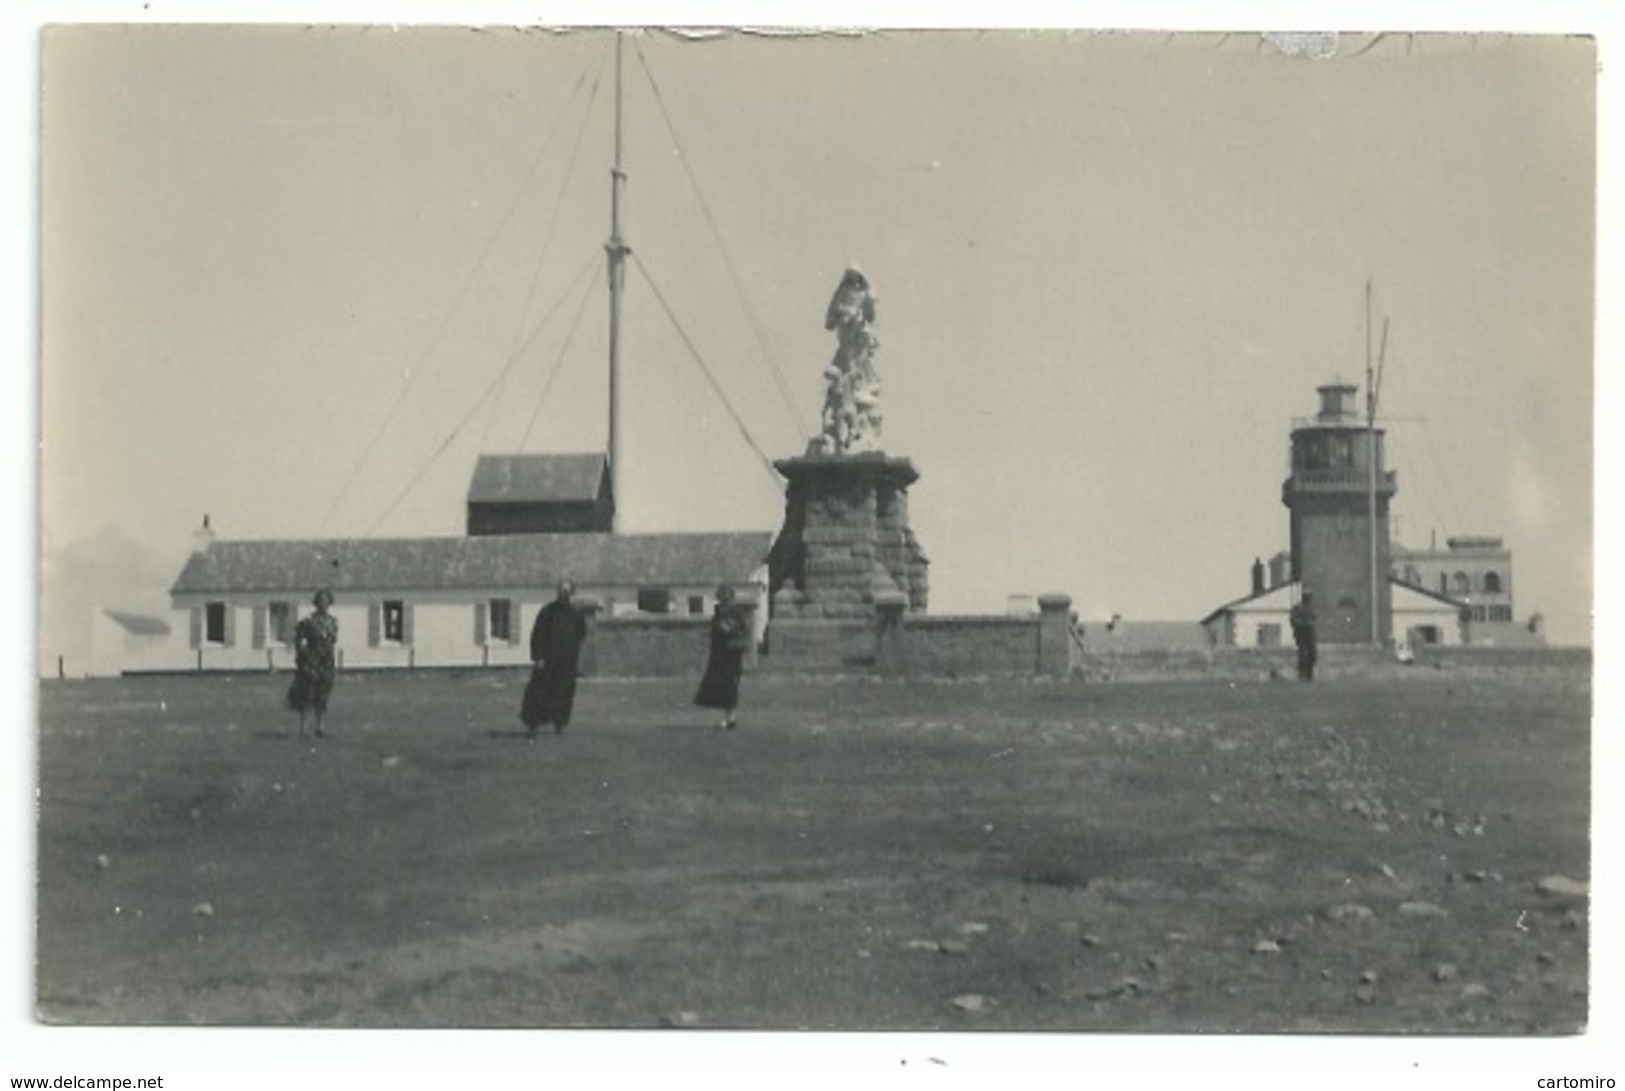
315, 642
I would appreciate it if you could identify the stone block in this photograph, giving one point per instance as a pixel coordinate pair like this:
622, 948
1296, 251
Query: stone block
836, 566
835, 535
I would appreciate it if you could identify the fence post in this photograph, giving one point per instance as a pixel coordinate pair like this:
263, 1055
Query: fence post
590, 606
747, 614
891, 647
1055, 635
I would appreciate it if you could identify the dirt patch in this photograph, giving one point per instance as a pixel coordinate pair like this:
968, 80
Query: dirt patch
1357, 856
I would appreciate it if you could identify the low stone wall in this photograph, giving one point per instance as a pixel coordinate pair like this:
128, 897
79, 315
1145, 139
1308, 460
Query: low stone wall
646, 646
1333, 663
819, 646
971, 648
951, 646
930, 646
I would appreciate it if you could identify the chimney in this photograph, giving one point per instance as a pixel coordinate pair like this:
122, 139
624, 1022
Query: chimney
203, 536
1258, 576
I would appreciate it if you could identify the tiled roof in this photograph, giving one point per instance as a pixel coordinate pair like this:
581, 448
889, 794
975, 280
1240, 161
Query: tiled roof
1397, 585
473, 563
526, 479
1278, 589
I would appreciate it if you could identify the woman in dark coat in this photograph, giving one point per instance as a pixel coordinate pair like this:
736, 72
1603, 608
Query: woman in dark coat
730, 639
555, 651
315, 640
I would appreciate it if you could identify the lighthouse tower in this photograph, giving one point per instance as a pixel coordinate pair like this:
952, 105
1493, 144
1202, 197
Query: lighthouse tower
1338, 495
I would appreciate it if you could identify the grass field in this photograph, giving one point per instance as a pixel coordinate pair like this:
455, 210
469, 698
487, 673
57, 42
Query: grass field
1359, 855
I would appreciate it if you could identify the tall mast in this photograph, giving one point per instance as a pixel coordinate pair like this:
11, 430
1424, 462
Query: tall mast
1371, 472
617, 251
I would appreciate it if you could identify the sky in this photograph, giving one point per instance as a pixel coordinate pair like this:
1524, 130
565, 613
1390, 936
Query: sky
1111, 272
295, 279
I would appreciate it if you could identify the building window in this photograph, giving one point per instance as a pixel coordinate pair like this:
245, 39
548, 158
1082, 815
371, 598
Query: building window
1444, 584
1500, 613
1461, 584
214, 623
696, 604
394, 621
654, 600
280, 617
1427, 634
1412, 576
502, 628
1492, 583
1269, 634
1342, 452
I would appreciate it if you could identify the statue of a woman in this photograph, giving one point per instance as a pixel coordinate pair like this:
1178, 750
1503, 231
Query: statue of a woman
851, 419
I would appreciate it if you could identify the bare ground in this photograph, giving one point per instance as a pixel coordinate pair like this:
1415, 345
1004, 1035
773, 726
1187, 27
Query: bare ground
1360, 855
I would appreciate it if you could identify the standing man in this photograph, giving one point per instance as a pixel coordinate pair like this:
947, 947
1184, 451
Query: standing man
730, 639
1303, 634
555, 652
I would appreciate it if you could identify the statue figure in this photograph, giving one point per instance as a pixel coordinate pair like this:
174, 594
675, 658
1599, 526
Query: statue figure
851, 419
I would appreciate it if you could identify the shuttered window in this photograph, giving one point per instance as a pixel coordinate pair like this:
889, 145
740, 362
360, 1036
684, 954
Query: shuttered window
215, 620
496, 621
502, 627
395, 622
280, 622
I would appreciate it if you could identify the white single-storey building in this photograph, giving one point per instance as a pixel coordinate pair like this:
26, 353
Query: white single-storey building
533, 520
437, 601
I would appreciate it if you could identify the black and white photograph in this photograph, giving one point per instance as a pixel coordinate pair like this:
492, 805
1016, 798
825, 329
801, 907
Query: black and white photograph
939, 534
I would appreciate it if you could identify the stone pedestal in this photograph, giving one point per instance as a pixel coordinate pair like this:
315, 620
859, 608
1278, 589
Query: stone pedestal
846, 538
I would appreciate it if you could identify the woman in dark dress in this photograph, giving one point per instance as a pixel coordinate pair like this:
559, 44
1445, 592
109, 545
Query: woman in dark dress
555, 652
730, 639
315, 641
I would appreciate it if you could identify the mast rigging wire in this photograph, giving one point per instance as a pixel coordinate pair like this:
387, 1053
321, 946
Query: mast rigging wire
547, 241
558, 363
478, 404
445, 320
694, 352
755, 322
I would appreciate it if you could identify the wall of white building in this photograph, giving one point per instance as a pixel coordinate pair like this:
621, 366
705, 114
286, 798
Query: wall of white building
437, 629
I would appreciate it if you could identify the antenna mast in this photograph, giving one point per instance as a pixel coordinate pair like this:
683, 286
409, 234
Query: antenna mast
617, 251
1371, 463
